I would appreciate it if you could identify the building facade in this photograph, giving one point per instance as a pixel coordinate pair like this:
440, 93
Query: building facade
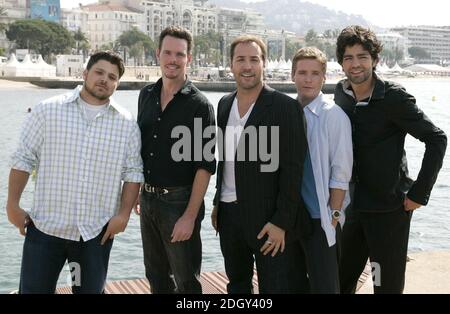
14, 10
106, 21
434, 39
394, 42
74, 19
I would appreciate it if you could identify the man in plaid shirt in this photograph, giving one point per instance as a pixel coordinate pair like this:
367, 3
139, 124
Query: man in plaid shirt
83, 146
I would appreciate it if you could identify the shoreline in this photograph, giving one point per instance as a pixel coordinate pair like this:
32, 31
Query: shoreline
9, 84
427, 272
128, 83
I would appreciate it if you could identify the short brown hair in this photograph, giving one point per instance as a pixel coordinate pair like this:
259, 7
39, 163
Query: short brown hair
244, 39
109, 56
177, 32
356, 34
310, 53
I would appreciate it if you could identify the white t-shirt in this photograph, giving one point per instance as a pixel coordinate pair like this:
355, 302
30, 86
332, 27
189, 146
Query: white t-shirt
235, 126
91, 111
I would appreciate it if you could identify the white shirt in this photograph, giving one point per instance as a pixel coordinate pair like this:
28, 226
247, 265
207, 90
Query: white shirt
80, 164
91, 111
233, 131
329, 136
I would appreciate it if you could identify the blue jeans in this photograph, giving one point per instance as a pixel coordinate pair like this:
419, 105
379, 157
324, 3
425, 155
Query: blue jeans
170, 267
44, 256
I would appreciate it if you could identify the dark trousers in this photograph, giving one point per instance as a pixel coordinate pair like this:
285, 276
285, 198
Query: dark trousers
170, 267
317, 261
241, 250
382, 237
44, 257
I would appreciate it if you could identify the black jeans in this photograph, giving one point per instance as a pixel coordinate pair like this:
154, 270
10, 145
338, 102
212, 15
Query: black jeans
170, 267
382, 237
317, 261
44, 256
240, 251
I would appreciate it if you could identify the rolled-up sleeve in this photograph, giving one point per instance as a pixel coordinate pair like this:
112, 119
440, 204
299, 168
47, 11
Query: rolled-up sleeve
133, 167
31, 139
341, 150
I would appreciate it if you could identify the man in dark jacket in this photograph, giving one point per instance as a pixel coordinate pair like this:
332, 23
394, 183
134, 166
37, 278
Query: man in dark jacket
382, 114
259, 176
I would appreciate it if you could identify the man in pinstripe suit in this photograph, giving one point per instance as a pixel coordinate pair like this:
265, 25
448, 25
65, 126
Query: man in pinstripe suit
257, 202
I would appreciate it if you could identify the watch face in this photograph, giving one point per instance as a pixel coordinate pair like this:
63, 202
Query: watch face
336, 214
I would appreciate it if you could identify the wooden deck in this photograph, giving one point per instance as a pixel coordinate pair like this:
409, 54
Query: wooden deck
212, 283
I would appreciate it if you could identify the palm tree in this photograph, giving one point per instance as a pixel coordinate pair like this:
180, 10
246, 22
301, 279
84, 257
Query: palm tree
2, 14
82, 43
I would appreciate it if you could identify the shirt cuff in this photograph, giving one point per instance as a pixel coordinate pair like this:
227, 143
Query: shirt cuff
21, 166
133, 177
333, 184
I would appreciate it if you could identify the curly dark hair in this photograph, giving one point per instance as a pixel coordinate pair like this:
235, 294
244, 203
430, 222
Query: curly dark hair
356, 34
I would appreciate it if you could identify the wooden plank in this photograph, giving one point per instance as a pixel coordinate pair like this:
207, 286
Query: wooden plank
212, 283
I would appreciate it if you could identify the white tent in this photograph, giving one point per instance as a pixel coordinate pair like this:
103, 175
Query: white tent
28, 68
289, 64
333, 66
12, 67
270, 65
396, 68
46, 69
383, 68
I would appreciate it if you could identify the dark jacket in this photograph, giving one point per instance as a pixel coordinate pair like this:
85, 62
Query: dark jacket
379, 131
268, 196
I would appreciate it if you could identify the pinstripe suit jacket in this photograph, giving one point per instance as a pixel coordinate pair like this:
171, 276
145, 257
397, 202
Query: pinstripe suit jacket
268, 196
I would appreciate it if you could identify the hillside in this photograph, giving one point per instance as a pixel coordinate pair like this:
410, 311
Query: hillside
297, 16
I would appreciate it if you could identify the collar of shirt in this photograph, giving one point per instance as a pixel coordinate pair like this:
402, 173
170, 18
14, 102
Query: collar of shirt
316, 105
185, 90
75, 94
379, 90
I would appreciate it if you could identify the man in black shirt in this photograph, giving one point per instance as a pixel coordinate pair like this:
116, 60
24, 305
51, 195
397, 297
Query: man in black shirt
177, 168
382, 113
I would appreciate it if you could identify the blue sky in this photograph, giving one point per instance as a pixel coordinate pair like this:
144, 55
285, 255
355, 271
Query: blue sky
384, 13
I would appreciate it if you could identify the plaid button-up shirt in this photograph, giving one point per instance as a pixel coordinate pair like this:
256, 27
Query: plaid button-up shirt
80, 164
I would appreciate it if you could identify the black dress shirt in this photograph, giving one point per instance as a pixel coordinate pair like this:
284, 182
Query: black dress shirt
188, 105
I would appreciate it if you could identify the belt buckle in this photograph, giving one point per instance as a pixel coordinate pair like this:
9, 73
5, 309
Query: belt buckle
148, 188
156, 190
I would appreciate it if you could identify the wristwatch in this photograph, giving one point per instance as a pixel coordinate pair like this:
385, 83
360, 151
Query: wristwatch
336, 214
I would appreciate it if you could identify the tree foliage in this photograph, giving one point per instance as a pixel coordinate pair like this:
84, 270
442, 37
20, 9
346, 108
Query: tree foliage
392, 56
207, 48
291, 49
44, 37
418, 53
81, 41
3, 13
135, 38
